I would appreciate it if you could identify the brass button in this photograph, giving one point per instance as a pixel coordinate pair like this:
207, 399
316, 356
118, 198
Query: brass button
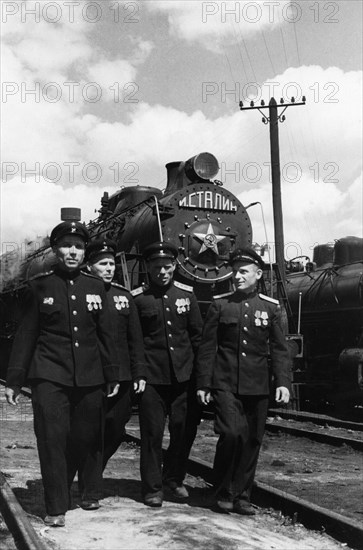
167, 309
75, 329
244, 342
171, 349
247, 304
71, 282
243, 354
76, 344
245, 329
168, 323
73, 297
74, 312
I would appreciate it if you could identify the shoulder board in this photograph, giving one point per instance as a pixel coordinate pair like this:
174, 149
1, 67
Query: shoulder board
183, 287
222, 295
117, 285
268, 299
40, 275
139, 290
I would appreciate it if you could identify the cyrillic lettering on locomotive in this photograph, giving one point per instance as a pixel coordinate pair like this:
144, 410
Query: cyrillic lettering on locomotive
208, 200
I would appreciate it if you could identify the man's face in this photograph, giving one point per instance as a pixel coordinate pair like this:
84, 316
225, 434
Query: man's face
103, 266
70, 252
161, 271
245, 276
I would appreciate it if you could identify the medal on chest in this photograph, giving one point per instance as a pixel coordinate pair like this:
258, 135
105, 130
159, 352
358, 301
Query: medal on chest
182, 305
261, 318
121, 302
93, 301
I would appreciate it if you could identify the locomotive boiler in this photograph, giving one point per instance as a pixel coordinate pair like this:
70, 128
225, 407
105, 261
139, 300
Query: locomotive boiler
326, 299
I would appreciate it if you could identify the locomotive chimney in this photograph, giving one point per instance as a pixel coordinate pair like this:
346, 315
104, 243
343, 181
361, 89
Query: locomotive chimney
176, 176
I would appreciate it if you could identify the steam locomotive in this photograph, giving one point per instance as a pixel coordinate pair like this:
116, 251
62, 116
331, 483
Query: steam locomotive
206, 223
326, 298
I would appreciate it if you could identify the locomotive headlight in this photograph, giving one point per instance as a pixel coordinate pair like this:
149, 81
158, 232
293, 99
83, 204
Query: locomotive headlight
202, 167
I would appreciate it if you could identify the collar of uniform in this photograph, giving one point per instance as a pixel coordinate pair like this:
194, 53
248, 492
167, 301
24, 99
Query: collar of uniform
67, 275
161, 290
246, 295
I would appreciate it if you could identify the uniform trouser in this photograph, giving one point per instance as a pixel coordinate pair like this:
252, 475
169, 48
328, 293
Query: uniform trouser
156, 403
240, 422
68, 427
193, 418
117, 414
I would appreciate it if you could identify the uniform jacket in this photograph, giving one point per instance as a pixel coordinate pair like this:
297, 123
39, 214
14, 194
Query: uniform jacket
126, 331
239, 333
65, 319
172, 327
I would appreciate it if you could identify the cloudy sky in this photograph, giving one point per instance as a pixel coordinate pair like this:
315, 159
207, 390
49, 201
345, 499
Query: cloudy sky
97, 95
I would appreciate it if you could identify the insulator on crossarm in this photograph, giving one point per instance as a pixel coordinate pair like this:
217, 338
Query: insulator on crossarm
262, 102
282, 100
292, 100
252, 104
303, 99
241, 104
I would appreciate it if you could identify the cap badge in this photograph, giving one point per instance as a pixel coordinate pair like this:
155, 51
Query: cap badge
182, 305
261, 318
94, 301
121, 302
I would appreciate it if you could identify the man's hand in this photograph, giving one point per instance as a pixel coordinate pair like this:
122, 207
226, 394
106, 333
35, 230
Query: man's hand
112, 389
139, 385
203, 397
282, 395
12, 396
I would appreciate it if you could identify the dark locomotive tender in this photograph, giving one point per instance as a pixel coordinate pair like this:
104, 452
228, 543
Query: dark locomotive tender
207, 222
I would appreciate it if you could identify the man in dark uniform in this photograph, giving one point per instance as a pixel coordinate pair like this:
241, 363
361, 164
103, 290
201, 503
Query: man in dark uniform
127, 335
64, 348
172, 327
240, 329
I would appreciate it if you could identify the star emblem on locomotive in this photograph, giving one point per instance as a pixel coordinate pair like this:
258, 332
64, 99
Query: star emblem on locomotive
209, 240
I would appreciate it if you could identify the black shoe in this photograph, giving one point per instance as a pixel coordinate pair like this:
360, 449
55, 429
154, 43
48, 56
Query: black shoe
244, 508
155, 501
225, 505
55, 521
90, 504
179, 491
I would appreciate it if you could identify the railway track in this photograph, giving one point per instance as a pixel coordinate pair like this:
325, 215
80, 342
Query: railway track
319, 419
312, 516
277, 425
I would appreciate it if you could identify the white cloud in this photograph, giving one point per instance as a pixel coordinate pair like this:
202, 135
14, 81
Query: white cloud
35, 207
216, 24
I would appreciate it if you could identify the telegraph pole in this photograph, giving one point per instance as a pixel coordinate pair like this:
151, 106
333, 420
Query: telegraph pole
274, 118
